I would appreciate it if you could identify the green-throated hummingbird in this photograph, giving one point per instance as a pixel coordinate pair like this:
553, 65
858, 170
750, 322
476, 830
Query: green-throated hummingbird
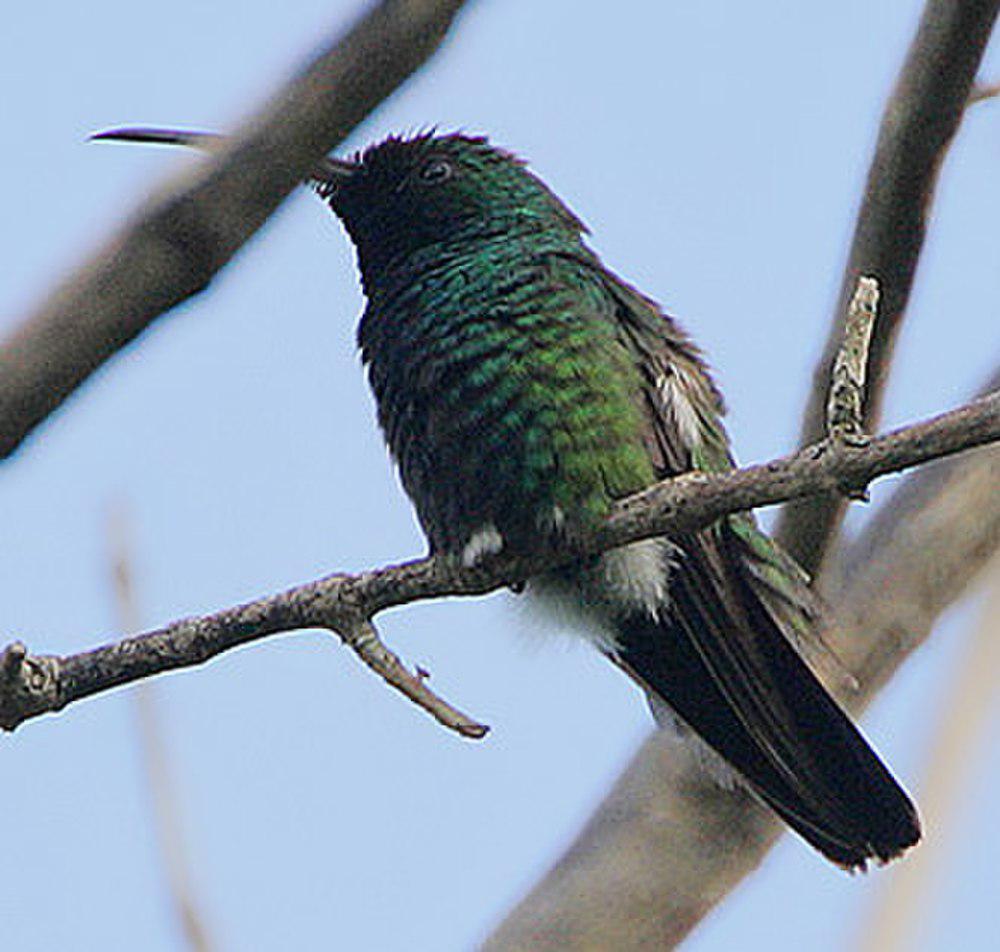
522, 388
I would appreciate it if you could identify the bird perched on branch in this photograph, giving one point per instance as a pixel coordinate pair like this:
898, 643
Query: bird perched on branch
522, 388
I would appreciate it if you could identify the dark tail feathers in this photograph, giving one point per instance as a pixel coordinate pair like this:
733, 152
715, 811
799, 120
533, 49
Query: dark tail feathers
739, 684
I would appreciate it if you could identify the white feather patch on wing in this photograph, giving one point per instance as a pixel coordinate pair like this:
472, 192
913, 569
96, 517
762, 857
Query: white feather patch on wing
673, 388
486, 540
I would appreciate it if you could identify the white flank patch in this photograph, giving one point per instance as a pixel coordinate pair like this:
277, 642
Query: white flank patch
673, 390
637, 575
486, 540
633, 578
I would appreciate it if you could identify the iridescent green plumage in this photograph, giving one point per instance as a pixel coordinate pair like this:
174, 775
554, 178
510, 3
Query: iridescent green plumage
503, 399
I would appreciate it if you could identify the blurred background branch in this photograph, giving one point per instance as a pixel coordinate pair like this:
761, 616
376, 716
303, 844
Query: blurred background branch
165, 805
955, 750
179, 239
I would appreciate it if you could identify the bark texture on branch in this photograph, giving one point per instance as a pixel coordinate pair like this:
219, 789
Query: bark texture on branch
920, 119
177, 243
33, 685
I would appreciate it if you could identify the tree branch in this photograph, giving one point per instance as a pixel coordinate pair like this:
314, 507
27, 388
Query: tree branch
919, 121
666, 846
177, 242
32, 685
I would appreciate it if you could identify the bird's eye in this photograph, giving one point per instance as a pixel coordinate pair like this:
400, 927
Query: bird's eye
435, 171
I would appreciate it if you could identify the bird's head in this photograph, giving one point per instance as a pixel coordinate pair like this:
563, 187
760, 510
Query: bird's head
408, 195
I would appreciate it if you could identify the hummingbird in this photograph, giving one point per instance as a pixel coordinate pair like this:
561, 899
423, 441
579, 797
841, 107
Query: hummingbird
523, 388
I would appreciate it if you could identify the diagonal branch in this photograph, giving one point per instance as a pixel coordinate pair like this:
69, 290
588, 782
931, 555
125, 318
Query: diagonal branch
955, 752
33, 685
920, 119
177, 242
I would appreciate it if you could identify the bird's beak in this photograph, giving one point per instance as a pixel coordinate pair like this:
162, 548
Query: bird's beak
326, 174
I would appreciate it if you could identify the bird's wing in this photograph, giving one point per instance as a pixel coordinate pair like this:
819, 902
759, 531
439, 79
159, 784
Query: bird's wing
683, 411
721, 652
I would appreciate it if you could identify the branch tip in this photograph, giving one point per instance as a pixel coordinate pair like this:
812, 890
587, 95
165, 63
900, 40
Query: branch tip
845, 404
981, 92
363, 637
29, 685
12, 659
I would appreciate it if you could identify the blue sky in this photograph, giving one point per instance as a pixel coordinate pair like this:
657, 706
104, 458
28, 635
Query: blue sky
717, 152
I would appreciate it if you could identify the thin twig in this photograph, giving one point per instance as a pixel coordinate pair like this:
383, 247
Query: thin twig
343, 603
167, 821
363, 637
919, 122
179, 240
982, 92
